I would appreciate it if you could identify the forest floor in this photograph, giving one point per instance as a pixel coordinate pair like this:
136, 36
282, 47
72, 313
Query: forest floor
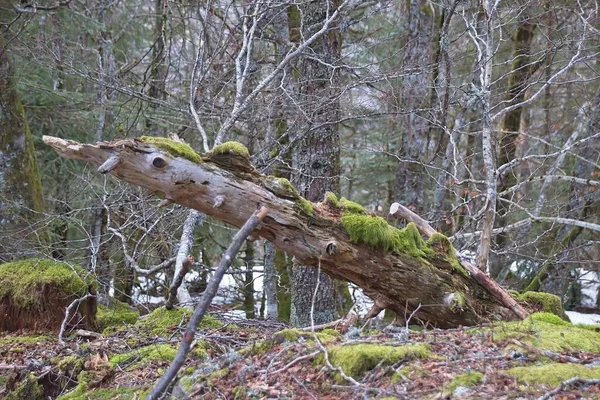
254, 359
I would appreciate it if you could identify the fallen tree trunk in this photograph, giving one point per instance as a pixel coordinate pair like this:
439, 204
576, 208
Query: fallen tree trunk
394, 267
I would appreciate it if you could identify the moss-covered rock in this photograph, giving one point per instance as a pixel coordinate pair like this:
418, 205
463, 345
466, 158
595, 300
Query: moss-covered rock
357, 359
176, 149
552, 374
116, 315
35, 292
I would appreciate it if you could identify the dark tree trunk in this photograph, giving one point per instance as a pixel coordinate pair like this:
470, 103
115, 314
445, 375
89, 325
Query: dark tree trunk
316, 157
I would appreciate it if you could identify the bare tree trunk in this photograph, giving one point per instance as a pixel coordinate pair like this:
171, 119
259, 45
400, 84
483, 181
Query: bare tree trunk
248, 289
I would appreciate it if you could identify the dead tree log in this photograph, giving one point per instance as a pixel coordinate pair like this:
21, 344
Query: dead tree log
395, 267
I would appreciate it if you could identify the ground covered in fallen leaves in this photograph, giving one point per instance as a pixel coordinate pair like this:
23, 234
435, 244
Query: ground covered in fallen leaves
542, 357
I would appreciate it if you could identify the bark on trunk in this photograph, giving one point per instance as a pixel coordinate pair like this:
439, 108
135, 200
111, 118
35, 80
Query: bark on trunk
21, 196
225, 186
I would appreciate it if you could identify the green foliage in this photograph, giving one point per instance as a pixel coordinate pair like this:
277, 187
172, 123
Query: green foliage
468, 379
553, 374
227, 148
118, 314
357, 359
24, 280
176, 149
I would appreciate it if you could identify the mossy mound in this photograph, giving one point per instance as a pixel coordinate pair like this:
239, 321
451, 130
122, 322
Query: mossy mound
544, 302
357, 359
548, 332
176, 149
552, 374
117, 315
28, 389
234, 157
162, 322
34, 294
468, 379
83, 391
144, 355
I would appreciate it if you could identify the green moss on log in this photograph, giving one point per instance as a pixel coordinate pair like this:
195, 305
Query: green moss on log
24, 280
230, 148
176, 149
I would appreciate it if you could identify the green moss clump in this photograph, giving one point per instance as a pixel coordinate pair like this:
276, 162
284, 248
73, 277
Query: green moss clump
292, 335
161, 322
144, 355
457, 302
553, 374
305, 205
118, 314
545, 332
176, 149
29, 389
377, 233
352, 207
6, 341
332, 200
442, 245
234, 148
546, 301
23, 280
357, 359
468, 379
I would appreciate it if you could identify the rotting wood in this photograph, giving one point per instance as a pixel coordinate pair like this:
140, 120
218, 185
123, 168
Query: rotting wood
400, 281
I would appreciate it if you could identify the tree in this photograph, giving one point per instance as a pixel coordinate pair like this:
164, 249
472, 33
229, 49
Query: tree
21, 198
316, 156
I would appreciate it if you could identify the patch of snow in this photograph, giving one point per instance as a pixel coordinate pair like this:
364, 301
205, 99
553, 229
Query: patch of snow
585, 319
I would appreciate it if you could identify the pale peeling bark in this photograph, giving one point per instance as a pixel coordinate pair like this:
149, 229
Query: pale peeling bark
401, 281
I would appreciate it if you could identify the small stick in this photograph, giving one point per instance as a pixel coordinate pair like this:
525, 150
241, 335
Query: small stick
63, 326
210, 292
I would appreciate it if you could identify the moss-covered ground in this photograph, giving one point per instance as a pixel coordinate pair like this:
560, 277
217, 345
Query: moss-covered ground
476, 362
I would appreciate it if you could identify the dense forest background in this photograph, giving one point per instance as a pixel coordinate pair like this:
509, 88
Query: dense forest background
482, 117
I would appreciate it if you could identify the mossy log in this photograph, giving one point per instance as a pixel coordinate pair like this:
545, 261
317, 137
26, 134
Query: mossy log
395, 267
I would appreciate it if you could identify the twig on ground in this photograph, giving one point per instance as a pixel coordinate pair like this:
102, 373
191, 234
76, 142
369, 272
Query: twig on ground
566, 383
546, 353
65, 321
296, 361
210, 292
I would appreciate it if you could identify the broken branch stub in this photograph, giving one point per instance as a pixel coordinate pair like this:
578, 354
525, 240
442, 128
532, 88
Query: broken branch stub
395, 266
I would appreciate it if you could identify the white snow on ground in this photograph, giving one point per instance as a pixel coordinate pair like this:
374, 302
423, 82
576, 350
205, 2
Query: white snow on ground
585, 319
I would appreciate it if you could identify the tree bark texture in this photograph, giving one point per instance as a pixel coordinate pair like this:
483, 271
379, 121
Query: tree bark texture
21, 195
316, 158
401, 281
410, 188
